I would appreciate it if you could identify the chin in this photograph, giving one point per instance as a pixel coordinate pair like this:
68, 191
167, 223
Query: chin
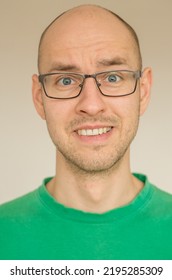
101, 164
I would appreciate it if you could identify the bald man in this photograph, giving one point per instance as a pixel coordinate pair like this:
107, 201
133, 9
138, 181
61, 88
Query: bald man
91, 90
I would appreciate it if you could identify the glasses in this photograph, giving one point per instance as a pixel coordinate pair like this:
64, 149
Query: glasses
62, 85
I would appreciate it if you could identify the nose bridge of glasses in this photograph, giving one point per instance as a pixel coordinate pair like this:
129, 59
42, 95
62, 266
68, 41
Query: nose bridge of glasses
87, 76
93, 76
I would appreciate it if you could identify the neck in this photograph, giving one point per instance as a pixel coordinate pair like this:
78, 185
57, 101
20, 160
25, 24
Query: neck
94, 192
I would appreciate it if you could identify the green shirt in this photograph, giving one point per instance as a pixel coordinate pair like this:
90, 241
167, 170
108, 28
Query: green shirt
36, 226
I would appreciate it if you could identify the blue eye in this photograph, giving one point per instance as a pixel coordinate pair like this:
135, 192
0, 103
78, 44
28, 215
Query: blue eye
66, 81
113, 78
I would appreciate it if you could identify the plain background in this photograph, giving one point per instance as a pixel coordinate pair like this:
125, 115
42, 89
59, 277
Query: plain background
26, 152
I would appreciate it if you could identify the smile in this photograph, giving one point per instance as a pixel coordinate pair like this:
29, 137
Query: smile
94, 132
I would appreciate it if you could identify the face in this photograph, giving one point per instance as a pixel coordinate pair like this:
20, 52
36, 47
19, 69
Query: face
91, 132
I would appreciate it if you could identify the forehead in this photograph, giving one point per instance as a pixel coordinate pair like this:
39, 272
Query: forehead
86, 35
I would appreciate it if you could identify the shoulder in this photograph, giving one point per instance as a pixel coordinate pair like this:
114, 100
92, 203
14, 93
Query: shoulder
162, 198
160, 205
160, 195
158, 192
18, 206
27, 204
158, 201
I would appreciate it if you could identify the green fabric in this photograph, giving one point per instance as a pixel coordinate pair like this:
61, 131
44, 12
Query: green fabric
35, 226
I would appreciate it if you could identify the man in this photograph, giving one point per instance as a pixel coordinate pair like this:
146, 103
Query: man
91, 90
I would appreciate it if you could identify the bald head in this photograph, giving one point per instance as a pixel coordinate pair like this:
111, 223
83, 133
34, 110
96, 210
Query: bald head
85, 17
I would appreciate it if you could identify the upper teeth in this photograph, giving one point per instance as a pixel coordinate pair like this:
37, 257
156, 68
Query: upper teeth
96, 131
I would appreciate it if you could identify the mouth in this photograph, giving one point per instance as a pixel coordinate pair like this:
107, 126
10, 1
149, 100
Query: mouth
94, 132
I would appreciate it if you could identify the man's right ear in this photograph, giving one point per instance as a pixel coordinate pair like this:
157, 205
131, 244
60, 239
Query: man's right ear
37, 96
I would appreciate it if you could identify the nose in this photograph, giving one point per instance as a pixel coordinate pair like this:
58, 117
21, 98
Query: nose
90, 101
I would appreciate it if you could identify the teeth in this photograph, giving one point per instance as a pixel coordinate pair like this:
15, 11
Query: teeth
93, 132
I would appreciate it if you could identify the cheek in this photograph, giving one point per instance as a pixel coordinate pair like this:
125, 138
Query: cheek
126, 107
56, 110
57, 115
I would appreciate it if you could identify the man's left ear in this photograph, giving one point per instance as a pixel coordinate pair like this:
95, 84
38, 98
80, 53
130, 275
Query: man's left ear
145, 89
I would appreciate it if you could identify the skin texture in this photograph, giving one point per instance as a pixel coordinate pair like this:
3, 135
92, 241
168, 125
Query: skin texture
92, 173
130, 29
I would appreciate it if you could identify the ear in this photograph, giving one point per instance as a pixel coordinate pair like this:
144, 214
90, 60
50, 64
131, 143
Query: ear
37, 96
145, 89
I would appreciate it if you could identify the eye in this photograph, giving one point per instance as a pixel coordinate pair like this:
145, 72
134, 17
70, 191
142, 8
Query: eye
113, 78
65, 81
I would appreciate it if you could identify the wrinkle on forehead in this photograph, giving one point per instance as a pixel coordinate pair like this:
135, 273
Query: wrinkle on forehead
83, 27
89, 59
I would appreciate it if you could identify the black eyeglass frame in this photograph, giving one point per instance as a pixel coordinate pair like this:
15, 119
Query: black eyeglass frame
137, 74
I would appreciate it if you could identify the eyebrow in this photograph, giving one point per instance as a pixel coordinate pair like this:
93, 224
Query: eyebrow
58, 66
64, 67
112, 61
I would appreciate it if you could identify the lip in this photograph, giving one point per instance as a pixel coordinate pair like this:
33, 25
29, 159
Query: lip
94, 139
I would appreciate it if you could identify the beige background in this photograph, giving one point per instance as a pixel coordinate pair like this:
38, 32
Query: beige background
26, 152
